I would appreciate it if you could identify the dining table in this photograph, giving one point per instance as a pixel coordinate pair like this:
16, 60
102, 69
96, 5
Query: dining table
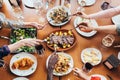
81, 42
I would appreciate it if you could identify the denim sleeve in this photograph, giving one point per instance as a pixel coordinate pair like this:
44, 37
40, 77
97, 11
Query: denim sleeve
4, 51
118, 29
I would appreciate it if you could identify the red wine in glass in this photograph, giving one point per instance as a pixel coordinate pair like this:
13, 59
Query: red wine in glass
87, 67
40, 49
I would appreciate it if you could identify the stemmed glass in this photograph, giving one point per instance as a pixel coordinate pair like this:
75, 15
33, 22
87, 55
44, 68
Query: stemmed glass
87, 67
41, 10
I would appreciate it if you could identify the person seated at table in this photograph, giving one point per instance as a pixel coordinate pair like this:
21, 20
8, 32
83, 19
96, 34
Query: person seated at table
114, 29
81, 74
4, 22
6, 49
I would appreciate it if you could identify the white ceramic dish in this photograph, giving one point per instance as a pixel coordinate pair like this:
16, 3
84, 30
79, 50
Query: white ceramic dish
20, 78
28, 3
116, 19
88, 2
52, 21
23, 72
70, 63
119, 55
78, 20
101, 76
91, 55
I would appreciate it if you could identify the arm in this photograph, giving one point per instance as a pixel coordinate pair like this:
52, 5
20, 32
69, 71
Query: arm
113, 29
101, 14
25, 42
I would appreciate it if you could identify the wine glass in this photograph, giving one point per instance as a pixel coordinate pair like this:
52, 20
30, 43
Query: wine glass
40, 49
106, 5
87, 67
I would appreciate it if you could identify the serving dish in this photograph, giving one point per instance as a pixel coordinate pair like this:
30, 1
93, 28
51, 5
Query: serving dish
98, 75
79, 20
63, 39
91, 55
22, 33
25, 72
87, 2
20, 78
58, 16
116, 19
64, 65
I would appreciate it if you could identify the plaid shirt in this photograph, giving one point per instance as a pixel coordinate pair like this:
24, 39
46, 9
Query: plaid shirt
4, 51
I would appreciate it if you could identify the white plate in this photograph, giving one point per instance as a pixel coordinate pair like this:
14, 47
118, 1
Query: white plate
91, 55
88, 2
23, 72
119, 55
116, 19
78, 20
101, 76
70, 63
58, 24
28, 3
20, 78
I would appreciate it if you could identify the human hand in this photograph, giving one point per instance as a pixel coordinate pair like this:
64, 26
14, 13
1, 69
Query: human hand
82, 14
29, 42
86, 26
79, 73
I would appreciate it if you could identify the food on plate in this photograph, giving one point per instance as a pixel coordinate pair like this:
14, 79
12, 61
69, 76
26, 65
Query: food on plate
62, 39
62, 65
23, 64
95, 78
91, 56
22, 33
59, 15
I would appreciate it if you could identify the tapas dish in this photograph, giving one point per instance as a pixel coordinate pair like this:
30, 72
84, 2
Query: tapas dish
91, 55
87, 2
116, 19
64, 65
79, 20
61, 39
58, 16
97, 77
22, 33
23, 64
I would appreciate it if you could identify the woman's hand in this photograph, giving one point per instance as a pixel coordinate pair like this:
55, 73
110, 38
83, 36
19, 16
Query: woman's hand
80, 73
82, 14
24, 42
86, 27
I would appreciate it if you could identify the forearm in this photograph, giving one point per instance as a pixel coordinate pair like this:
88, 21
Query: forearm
106, 13
107, 29
15, 46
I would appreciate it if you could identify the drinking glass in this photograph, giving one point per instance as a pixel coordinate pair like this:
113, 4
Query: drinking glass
41, 11
108, 40
87, 67
67, 3
106, 4
40, 49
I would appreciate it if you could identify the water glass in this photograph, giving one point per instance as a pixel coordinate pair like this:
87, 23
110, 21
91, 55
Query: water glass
108, 40
87, 67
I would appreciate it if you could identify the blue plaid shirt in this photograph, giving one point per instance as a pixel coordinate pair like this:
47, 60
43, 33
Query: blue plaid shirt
4, 51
